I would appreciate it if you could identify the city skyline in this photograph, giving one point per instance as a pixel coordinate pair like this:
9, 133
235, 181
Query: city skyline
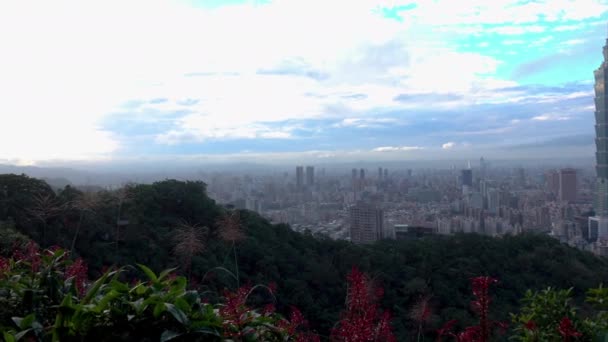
254, 81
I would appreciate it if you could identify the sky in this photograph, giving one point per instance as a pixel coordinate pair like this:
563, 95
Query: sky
315, 80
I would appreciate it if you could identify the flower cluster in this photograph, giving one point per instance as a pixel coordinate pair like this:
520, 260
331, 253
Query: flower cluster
481, 305
566, 329
31, 255
235, 313
362, 320
5, 265
297, 327
77, 271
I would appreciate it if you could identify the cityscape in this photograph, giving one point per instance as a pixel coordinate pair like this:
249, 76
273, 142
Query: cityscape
366, 205
304, 170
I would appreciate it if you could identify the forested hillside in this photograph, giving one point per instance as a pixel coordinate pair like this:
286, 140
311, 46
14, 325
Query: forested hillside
174, 224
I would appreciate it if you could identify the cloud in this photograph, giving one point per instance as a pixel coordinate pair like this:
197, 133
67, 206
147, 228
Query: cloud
366, 122
550, 117
94, 91
295, 67
448, 146
396, 148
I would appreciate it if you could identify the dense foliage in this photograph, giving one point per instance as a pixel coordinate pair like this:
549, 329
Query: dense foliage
425, 281
45, 296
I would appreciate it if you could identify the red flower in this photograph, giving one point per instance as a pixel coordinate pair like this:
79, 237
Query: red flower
5, 265
297, 326
531, 325
446, 329
362, 321
268, 310
31, 255
566, 329
78, 272
235, 312
481, 304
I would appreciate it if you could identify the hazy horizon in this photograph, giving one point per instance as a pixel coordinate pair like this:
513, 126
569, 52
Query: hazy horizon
286, 82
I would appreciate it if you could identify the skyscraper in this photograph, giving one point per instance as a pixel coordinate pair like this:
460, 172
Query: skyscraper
299, 177
467, 177
601, 144
552, 181
366, 223
310, 175
380, 173
567, 185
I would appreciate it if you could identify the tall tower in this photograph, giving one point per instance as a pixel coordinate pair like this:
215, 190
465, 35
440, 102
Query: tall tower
567, 185
310, 175
601, 143
300, 177
366, 223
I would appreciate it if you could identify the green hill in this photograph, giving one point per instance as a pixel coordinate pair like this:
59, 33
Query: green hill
309, 271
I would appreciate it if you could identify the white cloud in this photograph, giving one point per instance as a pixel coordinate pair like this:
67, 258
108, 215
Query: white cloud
64, 74
366, 122
550, 117
448, 146
396, 148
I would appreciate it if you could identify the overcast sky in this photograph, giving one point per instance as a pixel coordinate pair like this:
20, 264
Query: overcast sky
316, 79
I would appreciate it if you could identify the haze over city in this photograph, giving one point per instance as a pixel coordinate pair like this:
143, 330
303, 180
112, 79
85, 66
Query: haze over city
290, 81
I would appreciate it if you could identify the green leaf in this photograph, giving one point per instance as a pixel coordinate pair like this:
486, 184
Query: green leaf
138, 304
25, 322
141, 289
165, 273
159, 308
22, 334
8, 337
168, 335
96, 286
119, 286
103, 303
178, 314
206, 331
182, 304
149, 273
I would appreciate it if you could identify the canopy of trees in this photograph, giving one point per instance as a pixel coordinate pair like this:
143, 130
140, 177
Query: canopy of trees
140, 224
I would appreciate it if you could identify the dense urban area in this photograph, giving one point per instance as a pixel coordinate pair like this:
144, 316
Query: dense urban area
365, 205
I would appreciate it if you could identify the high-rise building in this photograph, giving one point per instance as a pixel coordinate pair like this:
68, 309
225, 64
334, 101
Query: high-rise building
601, 144
380, 173
567, 185
362, 174
493, 200
467, 177
552, 181
520, 177
299, 177
366, 223
385, 173
310, 175
482, 168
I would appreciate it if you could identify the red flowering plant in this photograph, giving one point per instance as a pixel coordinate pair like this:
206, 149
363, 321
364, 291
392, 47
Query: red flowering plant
481, 305
241, 322
547, 315
567, 331
362, 321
